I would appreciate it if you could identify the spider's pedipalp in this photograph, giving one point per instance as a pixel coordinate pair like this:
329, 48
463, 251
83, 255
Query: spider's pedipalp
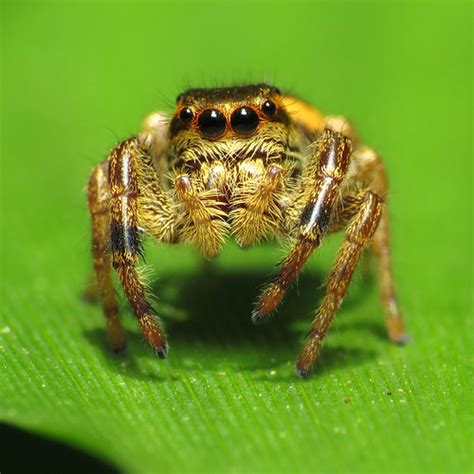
202, 218
256, 213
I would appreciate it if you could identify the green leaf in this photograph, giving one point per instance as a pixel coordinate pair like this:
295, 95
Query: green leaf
227, 400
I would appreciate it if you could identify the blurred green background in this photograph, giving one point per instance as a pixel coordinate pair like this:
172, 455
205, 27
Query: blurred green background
78, 77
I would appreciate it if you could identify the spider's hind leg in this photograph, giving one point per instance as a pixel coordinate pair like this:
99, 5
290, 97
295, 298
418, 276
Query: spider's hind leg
372, 170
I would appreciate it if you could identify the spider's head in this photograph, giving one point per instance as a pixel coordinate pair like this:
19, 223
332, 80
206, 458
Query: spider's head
233, 120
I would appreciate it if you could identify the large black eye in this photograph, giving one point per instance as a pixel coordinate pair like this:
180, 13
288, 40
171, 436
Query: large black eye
269, 108
186, 115
212, 123
244, 120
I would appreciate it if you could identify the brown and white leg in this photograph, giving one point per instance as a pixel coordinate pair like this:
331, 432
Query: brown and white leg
124, 177
321, 180
98, 200
358, 234
372, 170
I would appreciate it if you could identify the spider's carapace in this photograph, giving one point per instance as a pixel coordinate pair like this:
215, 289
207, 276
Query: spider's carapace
252, 163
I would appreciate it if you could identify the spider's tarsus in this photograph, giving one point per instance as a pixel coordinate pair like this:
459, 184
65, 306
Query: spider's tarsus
302, 373
402, 340
119, 350
89, 296
257, 318
162, 353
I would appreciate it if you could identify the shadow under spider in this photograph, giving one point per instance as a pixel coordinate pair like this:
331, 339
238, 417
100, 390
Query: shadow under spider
211, 308
216, 307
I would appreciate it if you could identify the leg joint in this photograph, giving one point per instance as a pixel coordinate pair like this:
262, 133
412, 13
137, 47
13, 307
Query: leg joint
366, 221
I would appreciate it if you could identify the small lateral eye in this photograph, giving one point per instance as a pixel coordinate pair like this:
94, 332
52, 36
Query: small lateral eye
269, 108
186, 115
179, 98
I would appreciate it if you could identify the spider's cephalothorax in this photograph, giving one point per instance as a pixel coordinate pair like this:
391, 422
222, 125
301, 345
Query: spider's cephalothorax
234, 150
251, 163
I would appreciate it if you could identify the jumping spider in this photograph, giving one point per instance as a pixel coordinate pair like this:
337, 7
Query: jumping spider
251, 162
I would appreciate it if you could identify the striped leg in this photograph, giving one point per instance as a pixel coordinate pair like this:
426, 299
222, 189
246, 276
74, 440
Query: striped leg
324, 173
124, 174
98, 197
358, 234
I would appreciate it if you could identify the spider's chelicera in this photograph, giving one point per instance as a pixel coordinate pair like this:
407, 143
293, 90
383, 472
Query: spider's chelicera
252, 163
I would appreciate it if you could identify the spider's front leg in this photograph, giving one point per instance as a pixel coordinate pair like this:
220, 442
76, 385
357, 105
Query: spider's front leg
358, 234
321, 181
132, 201
124, 179
99, 200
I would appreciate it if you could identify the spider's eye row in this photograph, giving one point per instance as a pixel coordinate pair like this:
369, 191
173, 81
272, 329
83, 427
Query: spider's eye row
186, 115
244, 120
269, 108
212, 123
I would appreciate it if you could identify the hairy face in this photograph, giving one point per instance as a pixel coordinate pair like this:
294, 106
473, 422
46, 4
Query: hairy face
234, 122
